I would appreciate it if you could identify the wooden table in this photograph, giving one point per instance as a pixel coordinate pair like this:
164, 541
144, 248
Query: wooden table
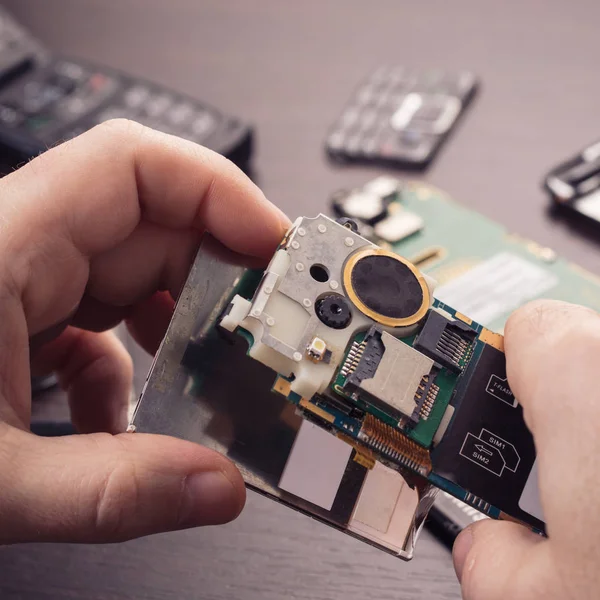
288, 68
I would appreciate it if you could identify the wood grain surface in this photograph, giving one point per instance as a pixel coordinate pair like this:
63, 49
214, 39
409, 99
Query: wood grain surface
288, 68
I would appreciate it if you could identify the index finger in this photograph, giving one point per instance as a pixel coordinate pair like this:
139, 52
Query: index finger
72, 206
103, 182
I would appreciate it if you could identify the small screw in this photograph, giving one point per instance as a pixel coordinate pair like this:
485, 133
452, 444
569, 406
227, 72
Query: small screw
348, 223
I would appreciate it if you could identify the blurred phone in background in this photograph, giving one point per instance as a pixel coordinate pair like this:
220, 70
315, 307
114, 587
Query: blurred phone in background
46, 99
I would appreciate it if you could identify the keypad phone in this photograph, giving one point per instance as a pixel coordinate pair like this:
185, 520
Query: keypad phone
46, 99
400, 116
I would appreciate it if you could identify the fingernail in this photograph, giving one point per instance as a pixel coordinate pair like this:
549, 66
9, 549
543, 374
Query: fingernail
286, 224
461, 549
284, 220
209, 499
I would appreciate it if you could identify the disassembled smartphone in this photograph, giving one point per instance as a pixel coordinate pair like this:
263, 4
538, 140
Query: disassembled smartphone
481, 269
574, 185
383, 393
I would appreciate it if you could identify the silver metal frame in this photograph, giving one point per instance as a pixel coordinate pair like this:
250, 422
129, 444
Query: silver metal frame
227, 404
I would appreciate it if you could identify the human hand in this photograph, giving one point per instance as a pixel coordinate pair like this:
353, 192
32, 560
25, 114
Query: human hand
89, 233
552, 352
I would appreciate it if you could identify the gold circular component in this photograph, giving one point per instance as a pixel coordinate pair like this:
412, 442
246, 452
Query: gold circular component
386, 287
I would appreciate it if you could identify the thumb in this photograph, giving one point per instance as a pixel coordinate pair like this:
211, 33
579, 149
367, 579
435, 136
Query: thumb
495, 560
103, 488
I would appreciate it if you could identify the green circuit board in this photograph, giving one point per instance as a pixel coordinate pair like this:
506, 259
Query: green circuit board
424, 431
481, 269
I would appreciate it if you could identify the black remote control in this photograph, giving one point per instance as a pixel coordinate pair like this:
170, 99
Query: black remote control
45, 99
